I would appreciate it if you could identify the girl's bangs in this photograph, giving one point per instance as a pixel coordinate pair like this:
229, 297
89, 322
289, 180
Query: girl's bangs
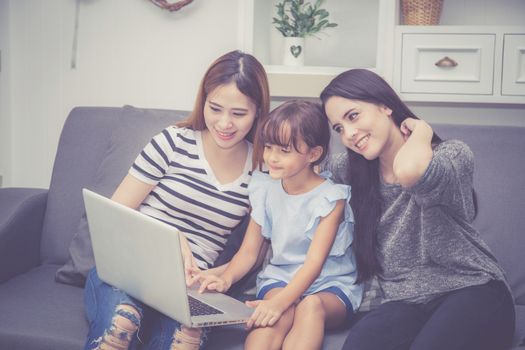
279, 131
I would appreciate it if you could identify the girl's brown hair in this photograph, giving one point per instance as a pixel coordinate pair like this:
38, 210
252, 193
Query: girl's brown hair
305, 121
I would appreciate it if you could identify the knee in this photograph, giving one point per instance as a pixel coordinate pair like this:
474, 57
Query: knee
124, 325
310, 306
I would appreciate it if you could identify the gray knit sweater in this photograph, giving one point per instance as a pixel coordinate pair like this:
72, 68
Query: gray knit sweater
427, 244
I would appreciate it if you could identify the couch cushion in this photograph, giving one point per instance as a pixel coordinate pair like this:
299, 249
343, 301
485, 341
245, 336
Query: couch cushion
83, 143
498, 181
519, 335
232, 338
134, 130
54, 317
37, 313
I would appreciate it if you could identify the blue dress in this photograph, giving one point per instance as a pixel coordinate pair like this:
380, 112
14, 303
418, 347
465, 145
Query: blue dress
290, 221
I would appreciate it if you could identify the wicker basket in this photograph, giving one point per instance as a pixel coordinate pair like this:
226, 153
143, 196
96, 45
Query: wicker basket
421, 12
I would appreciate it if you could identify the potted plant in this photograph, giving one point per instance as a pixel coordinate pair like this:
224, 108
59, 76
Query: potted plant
296, 20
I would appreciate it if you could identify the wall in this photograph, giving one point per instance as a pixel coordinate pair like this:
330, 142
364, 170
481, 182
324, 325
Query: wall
5, 125
483, 12
129, 52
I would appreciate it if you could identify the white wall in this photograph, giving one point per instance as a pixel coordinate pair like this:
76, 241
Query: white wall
129, 52
482, 12
5, 125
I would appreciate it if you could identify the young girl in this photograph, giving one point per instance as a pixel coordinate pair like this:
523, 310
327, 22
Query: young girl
192, 176
414, 205
309, 283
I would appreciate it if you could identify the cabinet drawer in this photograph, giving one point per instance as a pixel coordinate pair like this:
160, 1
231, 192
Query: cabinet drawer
513, 82
447, 63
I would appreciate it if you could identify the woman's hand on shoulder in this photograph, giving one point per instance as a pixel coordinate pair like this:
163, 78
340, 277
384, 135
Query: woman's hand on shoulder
415, 155
409, 126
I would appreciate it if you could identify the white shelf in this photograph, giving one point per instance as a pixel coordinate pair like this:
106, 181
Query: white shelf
349, 44
494, 17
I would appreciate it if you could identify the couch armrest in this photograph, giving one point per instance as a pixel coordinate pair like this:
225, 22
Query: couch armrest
21, 217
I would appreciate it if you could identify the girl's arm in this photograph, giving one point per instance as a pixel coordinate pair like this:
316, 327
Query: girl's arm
241, 263
269, 311
218, 270
415, 155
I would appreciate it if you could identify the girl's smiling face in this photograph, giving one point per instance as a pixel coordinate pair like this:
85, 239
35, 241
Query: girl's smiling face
287, 161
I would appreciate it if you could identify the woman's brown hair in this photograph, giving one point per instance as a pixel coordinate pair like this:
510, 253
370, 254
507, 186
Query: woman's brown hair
249, 76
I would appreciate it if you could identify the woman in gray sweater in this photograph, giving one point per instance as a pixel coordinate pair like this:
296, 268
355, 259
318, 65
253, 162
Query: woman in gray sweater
414, 203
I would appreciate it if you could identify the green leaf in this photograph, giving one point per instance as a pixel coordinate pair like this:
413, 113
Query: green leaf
301, 18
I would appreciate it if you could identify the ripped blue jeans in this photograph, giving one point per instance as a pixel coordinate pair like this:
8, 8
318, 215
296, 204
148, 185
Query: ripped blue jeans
155, 330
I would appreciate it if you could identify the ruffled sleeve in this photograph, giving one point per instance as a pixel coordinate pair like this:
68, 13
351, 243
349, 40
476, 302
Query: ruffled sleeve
257, 192
324, 205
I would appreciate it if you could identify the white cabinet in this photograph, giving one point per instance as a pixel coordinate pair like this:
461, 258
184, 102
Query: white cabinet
481, 64
513, 83
447, 63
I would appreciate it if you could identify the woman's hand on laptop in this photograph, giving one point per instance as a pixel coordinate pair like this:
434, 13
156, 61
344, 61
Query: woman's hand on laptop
192, 275
191, 269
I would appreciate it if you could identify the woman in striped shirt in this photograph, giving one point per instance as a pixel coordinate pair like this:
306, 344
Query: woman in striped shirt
193, 176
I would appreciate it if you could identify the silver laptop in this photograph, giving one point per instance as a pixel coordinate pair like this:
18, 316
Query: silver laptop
142, 256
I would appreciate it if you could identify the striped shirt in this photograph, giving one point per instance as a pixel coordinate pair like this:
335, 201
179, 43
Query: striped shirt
187, 194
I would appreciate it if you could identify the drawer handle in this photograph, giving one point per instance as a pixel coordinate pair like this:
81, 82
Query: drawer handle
446, 62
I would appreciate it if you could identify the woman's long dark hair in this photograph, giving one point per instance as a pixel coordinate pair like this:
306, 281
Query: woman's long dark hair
363, 175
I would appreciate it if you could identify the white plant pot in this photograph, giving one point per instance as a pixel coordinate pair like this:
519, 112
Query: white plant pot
293, 51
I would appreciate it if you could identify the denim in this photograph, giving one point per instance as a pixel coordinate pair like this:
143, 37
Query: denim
100, 300
478, 317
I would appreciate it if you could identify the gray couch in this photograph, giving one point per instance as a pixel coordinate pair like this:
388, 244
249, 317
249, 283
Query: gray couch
37, 225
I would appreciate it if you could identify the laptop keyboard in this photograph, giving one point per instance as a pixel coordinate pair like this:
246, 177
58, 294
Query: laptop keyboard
198, 308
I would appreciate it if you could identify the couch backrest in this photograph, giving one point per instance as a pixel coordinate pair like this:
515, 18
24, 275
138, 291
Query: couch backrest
81, 147
84, 143
499, 170
499, 153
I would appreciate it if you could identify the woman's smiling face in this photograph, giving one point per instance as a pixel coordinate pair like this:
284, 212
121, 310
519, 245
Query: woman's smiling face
364, 127
229, 115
